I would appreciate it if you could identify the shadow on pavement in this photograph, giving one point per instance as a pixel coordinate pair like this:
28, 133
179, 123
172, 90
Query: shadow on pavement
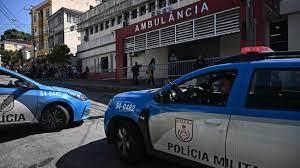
101, 154
17, 132
11, 133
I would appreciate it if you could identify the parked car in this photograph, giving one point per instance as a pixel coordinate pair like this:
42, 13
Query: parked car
23, 100
243, 112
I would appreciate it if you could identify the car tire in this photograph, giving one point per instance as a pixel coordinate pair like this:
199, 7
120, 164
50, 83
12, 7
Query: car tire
128, 142
54, 118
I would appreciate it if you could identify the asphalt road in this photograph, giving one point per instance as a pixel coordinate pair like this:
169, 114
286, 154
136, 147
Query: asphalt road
75, 147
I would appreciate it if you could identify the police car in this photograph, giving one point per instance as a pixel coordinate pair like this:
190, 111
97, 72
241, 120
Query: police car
243, 112
23, 100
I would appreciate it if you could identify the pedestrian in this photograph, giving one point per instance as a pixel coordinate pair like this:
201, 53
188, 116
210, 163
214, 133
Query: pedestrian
87, 70
200, 63
135, 72
150, 72
172, 64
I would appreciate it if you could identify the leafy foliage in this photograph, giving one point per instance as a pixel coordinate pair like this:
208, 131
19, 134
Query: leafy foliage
15, 34
10, 56
60, 54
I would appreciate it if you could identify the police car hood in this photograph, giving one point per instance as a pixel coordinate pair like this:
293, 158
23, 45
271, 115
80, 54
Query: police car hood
60, 89
136, 96
65, 90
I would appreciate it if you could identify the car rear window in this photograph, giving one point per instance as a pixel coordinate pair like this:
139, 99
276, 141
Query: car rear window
275, 89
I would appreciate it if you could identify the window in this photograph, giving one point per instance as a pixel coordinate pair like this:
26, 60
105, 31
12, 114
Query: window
34, 18
87, 31
119, 21
143, 10
101, 27
152, 7
92, 30
211, 89
275, 89
9, 81
134, 14
47, 13
69, 18
162, 3
126, 16
59, 19
95, 70
113, 22
106, 24
104, 63
172, 1
96, 29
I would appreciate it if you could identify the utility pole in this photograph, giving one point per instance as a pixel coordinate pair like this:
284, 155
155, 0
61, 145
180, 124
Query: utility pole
250, 23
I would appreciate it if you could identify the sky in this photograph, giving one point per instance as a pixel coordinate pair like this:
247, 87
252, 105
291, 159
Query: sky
19, 14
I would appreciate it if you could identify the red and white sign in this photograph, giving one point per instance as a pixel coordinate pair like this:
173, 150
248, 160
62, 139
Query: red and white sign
173, 16
189, 12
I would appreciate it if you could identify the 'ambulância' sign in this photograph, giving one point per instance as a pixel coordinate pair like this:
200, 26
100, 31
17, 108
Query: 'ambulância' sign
173, 16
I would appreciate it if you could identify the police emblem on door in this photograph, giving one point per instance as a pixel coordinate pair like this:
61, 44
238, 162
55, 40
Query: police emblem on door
6, 103
184, 129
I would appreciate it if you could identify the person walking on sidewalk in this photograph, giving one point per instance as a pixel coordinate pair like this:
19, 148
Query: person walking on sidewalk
86, 73
200, 63
150, 72
135, 72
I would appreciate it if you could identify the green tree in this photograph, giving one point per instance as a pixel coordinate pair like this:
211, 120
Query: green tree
15, 34
10, 56
60, 54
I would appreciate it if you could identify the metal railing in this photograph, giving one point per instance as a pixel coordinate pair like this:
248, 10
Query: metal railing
170, 70
162, 71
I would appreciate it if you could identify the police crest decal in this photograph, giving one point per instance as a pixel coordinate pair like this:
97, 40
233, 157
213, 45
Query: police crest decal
6, 103
184, 129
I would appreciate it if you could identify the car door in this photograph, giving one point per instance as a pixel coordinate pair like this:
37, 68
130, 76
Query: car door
194, 130
264, 131
18, 102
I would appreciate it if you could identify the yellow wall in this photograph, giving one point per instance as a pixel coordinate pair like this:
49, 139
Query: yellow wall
12, 47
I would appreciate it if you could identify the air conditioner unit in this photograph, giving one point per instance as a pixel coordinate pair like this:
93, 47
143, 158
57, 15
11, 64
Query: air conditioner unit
72, 28
153, 14
86, 38
166, 10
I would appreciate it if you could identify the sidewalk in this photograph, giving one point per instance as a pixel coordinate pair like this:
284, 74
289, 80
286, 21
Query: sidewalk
98, 85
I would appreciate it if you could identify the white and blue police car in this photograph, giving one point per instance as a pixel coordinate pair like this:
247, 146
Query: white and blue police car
243, 112
23, 100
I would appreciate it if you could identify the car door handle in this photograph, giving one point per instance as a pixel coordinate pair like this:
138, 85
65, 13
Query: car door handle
215, 122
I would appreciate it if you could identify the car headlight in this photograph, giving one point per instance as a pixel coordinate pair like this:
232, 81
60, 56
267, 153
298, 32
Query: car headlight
79, 96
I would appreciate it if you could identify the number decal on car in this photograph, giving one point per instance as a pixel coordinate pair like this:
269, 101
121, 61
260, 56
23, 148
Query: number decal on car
49, 93
128, 107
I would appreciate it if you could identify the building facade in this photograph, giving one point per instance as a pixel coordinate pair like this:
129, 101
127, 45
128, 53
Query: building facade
289, 24
17, 45
39, 20
14, 45
63, 29
118, 33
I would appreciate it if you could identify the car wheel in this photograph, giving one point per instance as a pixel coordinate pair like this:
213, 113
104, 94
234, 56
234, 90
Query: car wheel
129, 142
55, 118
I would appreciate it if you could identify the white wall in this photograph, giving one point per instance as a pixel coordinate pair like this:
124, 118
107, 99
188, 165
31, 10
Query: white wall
73, 4
89, 61
71, 38
294, 31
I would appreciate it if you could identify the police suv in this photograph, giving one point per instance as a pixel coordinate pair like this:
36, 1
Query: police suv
243, 112
23, 100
